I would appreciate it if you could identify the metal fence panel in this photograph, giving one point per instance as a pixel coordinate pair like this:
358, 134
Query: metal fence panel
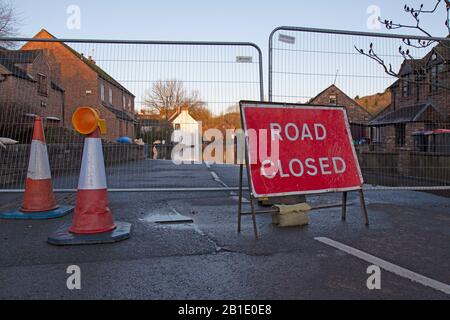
404, 140
159, 79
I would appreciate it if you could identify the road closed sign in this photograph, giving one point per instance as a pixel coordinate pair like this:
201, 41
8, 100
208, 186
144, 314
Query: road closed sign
299, 149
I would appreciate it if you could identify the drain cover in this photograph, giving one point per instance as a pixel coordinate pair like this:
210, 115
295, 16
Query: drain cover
170, 218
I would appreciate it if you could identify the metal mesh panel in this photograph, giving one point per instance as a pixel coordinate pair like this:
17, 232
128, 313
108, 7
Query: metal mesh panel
404, 140
124, 81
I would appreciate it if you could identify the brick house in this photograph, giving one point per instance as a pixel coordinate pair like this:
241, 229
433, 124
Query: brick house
358, 117
419, 103
28, 86
86, 84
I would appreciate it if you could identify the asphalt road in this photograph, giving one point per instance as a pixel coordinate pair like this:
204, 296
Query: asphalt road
207, 259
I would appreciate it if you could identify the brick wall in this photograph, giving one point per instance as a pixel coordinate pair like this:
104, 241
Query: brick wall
420, 93
404, 167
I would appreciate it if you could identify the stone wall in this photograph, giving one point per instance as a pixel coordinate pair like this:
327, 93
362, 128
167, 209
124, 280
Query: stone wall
404, 167
65, 159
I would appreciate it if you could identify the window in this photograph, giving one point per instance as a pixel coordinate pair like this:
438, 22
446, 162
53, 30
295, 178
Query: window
405, 87
124, 102
400, 134
434, 77
333, 99
130, 105
377, 134
110, 96
42, 85
102, 92
43, 104
177, 126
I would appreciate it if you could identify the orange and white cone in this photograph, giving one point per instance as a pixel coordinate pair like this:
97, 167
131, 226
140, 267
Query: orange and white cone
38, 195
39, 200
92, 213
93, 222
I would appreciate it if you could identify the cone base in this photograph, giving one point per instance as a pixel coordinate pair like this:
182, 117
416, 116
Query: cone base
53, 208
63, 237
53, 214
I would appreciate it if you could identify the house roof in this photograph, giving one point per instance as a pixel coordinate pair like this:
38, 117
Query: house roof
442, 50
9, 59
9, 63
405, 114
151, 122
411, 65
101, 73
120, 114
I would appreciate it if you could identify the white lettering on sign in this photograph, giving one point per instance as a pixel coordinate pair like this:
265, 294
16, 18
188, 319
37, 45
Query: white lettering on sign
294, 132
297, 168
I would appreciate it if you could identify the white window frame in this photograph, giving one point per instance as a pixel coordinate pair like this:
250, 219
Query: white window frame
102, 92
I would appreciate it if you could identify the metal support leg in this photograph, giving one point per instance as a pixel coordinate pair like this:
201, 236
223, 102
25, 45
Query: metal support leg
241, 176
344, 206
363, 207
255, 227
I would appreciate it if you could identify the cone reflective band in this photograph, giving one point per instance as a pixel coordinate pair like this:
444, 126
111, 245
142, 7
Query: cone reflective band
92, 214
86, 120
38, 201
38, 195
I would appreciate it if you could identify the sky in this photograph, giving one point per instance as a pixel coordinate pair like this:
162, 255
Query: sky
231, 20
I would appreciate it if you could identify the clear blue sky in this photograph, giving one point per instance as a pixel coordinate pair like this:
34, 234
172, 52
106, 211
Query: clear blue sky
227, 20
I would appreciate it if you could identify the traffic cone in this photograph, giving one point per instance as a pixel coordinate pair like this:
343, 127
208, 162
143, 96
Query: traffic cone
39, 200
93, 222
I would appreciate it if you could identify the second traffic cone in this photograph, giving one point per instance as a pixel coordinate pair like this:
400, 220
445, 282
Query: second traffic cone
92, 214
93, 222
39, 200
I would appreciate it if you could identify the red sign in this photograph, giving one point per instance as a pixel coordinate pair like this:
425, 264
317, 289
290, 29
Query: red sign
299, 149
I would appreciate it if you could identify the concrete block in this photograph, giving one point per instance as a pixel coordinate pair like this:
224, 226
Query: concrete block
293, 219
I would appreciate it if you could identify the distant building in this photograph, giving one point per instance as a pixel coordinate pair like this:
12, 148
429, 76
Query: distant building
358, 117
187, 131
29, 85
420, 101
86, 84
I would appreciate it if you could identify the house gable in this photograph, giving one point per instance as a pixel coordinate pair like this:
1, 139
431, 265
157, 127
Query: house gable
356, 113
184, 118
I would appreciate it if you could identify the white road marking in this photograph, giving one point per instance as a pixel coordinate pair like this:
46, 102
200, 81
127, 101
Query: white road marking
216, 177
233, 195
390, 267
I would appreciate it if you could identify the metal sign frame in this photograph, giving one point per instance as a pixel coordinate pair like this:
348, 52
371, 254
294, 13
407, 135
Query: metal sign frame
253, 212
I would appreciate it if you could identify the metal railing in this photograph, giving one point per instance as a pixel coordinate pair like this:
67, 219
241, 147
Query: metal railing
398, 142
172, 84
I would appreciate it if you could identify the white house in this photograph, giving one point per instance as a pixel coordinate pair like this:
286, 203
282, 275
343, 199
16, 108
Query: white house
187, 135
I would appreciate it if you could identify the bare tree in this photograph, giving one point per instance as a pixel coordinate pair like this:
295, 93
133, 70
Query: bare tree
418, 68
9, 22
166, 97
